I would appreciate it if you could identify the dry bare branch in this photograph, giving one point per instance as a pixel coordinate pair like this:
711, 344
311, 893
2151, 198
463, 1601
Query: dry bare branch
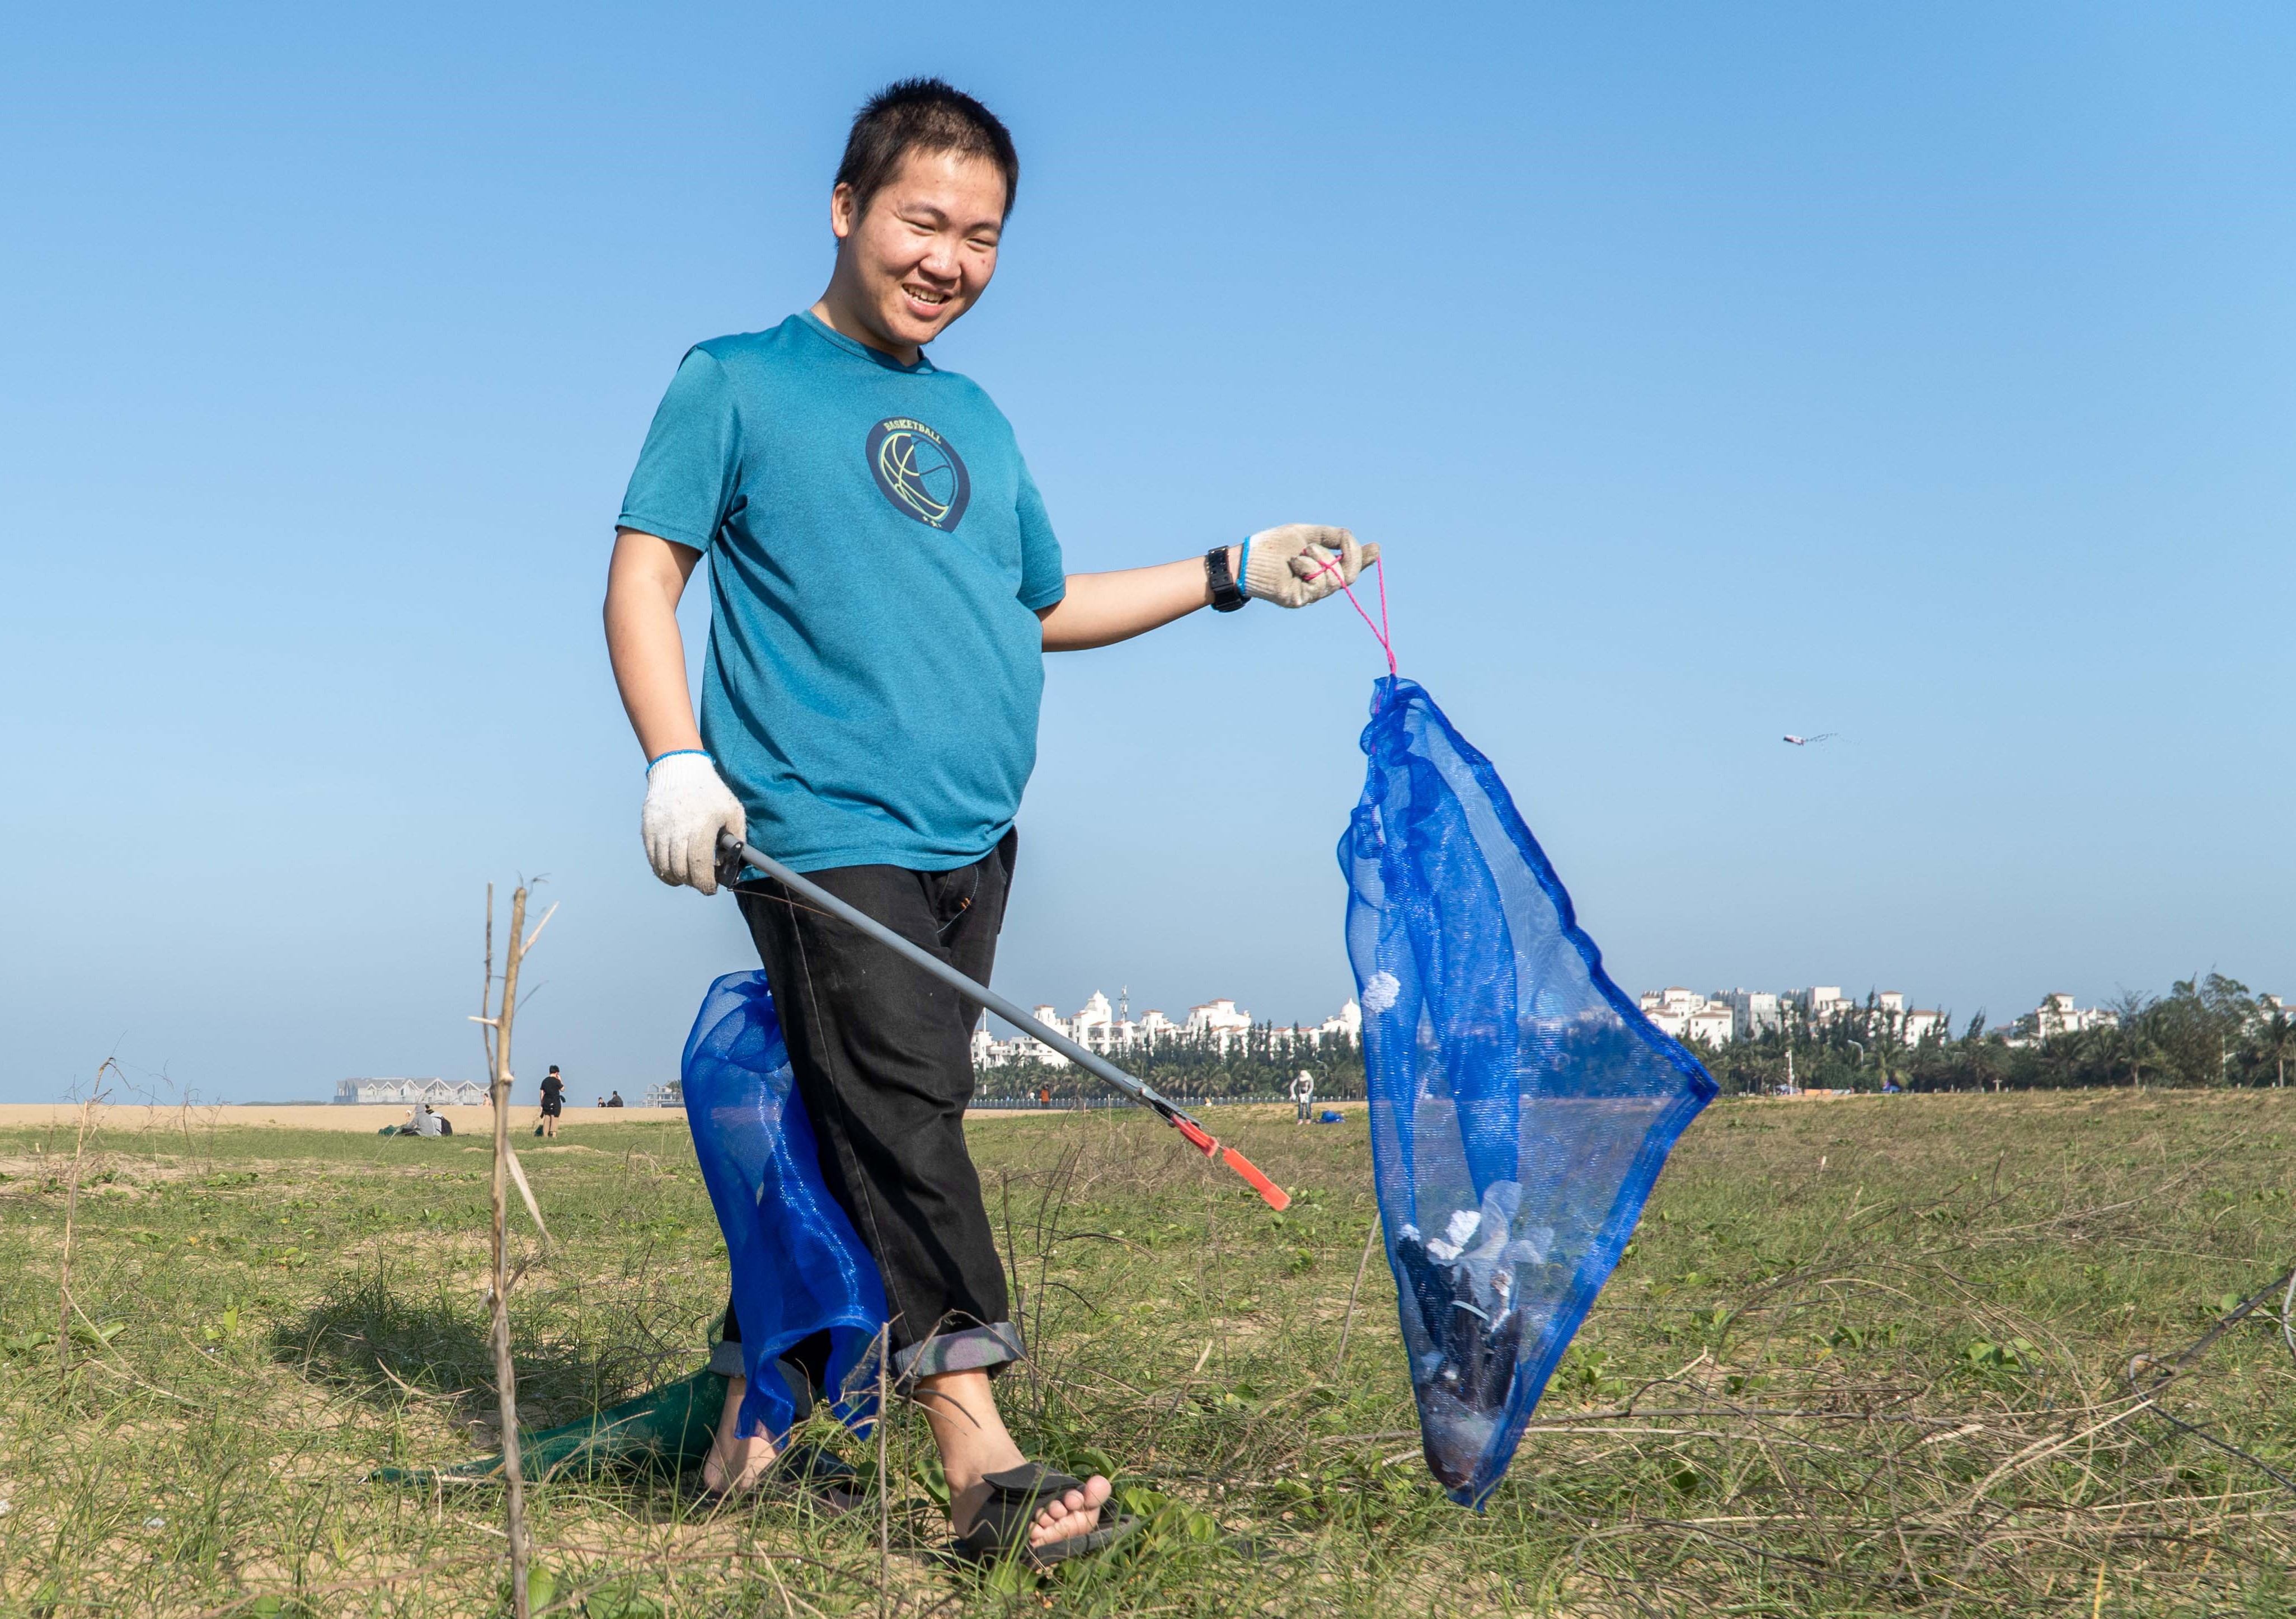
538, 927
506, 1376
518, 1176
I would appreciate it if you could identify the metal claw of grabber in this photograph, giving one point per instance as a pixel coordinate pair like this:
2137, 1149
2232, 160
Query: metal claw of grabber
732, 855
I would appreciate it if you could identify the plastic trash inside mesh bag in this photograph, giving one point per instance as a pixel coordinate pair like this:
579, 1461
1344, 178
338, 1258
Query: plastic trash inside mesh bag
1521, 1105
798, 1267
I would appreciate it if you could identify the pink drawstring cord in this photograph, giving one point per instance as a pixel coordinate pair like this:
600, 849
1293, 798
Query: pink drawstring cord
1379, 631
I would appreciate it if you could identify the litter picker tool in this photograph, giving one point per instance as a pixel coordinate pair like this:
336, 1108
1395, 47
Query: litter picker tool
732, 854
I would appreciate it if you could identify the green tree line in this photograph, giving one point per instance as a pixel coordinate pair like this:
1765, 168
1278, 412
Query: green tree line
1254, 1062
2206, 1030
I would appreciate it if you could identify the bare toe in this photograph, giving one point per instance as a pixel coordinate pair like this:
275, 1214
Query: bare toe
1076, 1512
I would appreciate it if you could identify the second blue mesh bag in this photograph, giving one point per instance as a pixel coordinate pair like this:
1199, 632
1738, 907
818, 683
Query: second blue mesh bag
798, 1267
1520, 1106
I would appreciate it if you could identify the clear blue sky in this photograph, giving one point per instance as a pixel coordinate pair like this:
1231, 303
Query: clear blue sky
1925, 373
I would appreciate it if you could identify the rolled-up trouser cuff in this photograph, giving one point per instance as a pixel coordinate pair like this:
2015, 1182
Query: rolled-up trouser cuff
966, 1349
725, 1358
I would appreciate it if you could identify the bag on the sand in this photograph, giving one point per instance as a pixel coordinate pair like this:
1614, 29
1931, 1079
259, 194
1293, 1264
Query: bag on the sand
798, 1267
1520, 1106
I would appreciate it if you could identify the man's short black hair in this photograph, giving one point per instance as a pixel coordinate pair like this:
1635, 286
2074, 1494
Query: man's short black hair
921, 115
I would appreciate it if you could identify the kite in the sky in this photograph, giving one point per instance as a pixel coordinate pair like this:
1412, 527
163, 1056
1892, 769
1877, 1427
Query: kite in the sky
1804, 741
1520, 1106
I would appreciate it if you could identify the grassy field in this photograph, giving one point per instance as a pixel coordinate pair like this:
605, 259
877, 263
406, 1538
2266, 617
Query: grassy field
1865, 1356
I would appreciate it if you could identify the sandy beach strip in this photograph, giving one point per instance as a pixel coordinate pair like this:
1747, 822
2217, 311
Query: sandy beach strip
357, 1118
367, 1118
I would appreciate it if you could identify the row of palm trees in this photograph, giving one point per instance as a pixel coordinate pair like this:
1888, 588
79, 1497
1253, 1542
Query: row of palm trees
2208, 1030
1258, 1061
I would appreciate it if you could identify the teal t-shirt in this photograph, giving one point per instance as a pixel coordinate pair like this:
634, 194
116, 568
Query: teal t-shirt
878, 554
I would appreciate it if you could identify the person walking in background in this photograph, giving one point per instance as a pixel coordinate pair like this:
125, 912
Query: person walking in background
553, 1100
884, 585
1303, 1092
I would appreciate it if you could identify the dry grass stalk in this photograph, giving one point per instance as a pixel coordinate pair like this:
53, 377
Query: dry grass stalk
506, 1376
486, 988
1347, 1323
884, 1476
65, 1307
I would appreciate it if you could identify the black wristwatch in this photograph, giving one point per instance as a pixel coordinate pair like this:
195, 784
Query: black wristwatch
1227, 596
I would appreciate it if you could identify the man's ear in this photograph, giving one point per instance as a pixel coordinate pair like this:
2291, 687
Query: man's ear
842, 215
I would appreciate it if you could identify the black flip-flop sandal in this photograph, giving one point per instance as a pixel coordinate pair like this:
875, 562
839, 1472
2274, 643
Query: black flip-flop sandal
799, 1470
1001, 1530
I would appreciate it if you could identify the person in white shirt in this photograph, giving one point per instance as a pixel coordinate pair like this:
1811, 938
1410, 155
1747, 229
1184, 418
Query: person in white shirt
1303, 1092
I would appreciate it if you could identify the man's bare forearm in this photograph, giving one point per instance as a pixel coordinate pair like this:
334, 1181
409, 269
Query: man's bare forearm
1101, 609
643, 583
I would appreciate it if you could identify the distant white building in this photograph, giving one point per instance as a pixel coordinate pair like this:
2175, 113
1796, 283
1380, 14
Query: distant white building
1027, 1048
1346, 1027
1687, 1015
1754, 1012
1095, 1025
2057, 1015
1102, 1027
1822, 1003
1913, 1025
670, 1095
1216, 1018
990, 1052
1919, 1024
1749, 1014
406, 1092
1218, 1021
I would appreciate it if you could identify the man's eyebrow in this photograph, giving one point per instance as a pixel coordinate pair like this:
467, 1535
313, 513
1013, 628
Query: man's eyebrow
927, 210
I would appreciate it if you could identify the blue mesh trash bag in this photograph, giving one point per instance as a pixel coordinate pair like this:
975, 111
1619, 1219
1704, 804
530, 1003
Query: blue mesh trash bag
798, 1267
1520, 1106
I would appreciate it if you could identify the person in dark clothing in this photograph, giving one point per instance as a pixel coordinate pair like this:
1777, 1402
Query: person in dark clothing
614, 1099
553, 1100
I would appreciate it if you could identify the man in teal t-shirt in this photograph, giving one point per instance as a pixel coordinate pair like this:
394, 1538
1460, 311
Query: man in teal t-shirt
878, 559
884, 583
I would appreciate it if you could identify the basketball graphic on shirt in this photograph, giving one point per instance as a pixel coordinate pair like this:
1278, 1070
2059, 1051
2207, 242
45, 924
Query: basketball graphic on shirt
919, 471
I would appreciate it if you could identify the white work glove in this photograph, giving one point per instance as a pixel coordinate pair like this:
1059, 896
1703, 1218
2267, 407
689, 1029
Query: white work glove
686, 807
1291, 566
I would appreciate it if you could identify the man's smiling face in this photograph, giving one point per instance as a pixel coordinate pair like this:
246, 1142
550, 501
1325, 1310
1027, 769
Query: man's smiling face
921, 254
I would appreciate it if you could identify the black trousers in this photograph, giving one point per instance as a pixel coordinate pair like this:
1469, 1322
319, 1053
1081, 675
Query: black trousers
881, 1053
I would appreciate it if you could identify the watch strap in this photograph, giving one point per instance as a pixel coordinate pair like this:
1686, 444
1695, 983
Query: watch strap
1227, 596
